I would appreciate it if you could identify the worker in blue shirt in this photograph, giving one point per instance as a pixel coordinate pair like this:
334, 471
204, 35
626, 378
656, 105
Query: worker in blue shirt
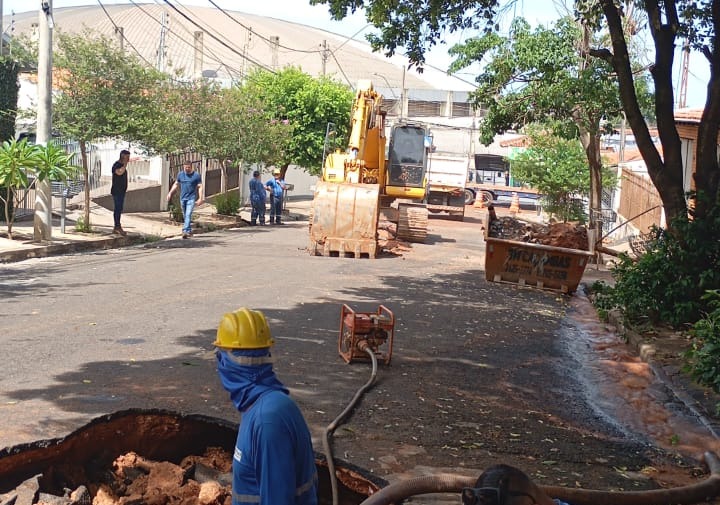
258, 196
189, 183
276, 186
273, 462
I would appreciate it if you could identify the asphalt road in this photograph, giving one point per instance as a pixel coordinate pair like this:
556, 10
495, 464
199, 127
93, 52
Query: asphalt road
481, 372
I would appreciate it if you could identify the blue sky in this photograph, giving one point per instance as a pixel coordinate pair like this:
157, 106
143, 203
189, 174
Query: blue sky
300, 11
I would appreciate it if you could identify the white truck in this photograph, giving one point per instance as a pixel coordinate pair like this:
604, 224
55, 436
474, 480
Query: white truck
447, 175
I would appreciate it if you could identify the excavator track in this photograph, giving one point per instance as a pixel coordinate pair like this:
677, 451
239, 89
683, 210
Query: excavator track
412, 222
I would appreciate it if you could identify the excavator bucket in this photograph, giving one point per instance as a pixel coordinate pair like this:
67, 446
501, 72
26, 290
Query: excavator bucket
344, 219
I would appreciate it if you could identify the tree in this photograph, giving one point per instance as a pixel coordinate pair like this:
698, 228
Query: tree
417, 25
103, 92
225, 124
8, 97
23, 164
557, 167
667, 20
533, 75
308, 105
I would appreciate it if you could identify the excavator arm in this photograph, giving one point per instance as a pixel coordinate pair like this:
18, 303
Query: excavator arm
347, 200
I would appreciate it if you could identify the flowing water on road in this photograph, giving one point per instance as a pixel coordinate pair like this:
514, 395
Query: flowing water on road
625, 390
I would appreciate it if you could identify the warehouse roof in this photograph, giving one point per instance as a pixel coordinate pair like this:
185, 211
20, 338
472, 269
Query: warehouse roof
203, 40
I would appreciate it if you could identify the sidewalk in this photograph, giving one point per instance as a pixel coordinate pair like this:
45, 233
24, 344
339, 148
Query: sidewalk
140, 227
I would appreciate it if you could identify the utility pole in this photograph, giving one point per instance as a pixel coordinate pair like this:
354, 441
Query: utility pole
198, 59
162, 48
403, 98
324, 55
246, 46
120, 34
275, 47
42, 221
685, 69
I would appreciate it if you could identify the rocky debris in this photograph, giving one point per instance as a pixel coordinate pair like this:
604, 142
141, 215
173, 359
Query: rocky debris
387, 238
134, 480
567, 235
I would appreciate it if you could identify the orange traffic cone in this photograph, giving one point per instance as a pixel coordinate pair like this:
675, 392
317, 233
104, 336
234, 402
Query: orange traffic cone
479, 203
515, 203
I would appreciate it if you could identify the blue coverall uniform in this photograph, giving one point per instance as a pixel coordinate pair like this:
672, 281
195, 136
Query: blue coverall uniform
274, 463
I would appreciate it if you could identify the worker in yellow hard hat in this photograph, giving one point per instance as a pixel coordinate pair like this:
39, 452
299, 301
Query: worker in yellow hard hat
276, 187
274, 462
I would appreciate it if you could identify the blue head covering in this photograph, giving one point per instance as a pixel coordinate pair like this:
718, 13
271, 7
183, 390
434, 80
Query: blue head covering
246, 383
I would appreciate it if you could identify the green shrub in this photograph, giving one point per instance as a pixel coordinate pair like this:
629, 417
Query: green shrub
667, 283
81, 226
175, 210
703, 357
227, 204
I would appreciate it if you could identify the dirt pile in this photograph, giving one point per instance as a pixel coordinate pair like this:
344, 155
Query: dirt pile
388, 240
571, 236
133, 480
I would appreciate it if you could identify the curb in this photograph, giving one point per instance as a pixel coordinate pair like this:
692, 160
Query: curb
59, 248
44, 250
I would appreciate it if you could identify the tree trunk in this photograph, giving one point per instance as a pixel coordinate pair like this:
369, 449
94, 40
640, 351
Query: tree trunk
590, 141
591, 145
707, 171
86, 179
9, 220
666, 174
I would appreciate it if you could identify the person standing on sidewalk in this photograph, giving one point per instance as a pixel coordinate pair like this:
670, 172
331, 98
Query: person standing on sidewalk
276, 186
119, 188
273, 462
258, 197
190, 184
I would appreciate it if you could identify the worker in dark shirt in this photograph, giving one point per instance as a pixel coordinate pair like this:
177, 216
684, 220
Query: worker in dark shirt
119, 188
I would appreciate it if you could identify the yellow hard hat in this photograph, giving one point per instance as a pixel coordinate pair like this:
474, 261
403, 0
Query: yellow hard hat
276, 171
243, 329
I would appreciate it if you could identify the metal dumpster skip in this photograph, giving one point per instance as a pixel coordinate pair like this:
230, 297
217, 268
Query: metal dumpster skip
542, 266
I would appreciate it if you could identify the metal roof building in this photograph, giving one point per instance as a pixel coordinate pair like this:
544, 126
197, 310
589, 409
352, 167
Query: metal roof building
194, 41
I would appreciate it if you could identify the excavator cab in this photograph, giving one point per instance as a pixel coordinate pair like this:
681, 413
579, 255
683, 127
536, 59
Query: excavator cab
407, 161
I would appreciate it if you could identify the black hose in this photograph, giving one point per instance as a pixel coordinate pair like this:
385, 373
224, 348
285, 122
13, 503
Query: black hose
685, 495
399, 491
330, 429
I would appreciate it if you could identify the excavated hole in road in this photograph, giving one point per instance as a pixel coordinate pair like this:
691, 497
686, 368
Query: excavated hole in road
145, 457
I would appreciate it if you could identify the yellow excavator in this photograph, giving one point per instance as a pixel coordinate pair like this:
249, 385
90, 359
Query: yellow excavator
360, 186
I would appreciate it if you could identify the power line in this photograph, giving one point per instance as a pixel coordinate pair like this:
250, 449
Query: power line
315, 51
122, 33
347, 79
229, 69
217, 39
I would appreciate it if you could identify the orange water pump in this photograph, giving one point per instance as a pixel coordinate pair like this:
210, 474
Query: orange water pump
366, 330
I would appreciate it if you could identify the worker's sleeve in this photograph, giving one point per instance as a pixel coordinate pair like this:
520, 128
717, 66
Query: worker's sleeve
275, 464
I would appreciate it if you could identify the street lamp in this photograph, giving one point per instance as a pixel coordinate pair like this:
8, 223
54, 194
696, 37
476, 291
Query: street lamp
388, 83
